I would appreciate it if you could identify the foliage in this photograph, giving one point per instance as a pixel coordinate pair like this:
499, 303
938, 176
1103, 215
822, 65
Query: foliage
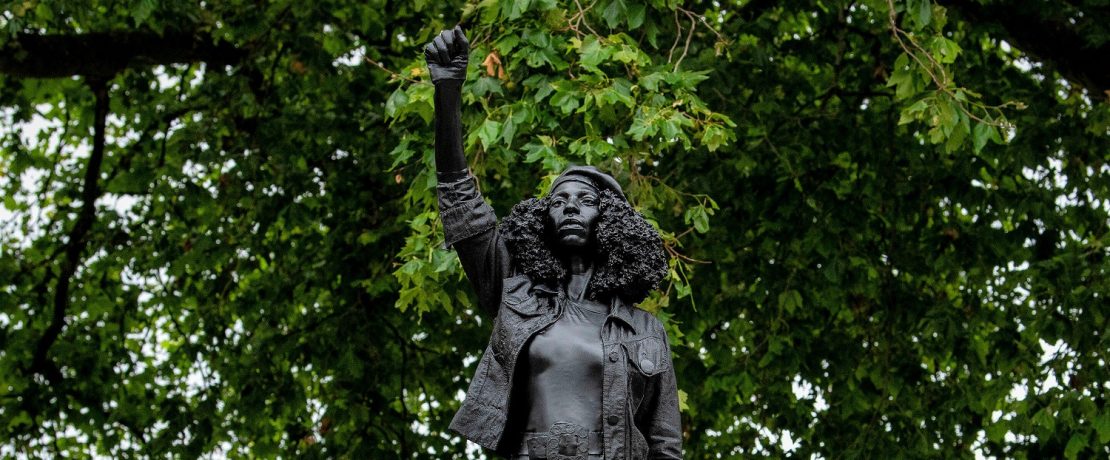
888, 228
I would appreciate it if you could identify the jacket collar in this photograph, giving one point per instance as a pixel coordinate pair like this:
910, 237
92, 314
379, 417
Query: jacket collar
546, 286
619, 310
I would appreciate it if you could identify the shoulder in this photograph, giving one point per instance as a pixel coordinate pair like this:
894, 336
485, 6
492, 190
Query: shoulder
641, 315
644, 322
522, 286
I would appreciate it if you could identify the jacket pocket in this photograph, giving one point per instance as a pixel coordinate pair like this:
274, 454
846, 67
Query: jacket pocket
648, 355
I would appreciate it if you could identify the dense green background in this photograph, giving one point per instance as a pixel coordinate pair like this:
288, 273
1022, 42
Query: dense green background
889, 233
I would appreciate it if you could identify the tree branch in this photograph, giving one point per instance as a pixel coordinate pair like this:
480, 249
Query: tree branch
105, 54
75, 243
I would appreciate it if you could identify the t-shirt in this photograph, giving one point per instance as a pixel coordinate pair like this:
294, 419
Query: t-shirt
565, 369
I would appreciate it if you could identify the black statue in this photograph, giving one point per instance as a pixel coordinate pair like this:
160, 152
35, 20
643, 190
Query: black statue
572, 370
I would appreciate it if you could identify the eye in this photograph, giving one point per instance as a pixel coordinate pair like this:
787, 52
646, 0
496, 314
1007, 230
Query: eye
589, 201
557, 203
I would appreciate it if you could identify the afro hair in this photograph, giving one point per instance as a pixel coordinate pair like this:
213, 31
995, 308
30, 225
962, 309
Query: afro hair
630, 260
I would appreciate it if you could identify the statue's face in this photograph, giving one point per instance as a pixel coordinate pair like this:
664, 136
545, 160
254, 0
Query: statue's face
573, 210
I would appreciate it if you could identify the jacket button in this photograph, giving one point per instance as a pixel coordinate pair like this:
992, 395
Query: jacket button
613, 420
613, 356
647, 366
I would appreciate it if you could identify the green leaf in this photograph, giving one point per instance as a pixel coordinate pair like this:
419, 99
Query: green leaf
636, 14
651, 81
714, 137
488, 132
686, 79
566, 101
948, 116
484, 86
1076, 444
613, 13
1045, 419
396, 100
1102, 427
401, 153
508, 130
701, 221
366, 238
517, 8
593, 53
619, 93
140, 11
902, 79
790, 300
912, 112
924, 13
996, 432
944, 50
981, 134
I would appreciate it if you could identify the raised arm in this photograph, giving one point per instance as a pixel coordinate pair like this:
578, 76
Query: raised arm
447, 59
469, 224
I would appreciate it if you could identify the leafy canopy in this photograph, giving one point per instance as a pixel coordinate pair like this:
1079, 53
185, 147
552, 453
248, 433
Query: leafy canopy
887, 221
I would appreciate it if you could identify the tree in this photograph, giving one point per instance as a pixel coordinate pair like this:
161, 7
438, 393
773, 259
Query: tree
888, 221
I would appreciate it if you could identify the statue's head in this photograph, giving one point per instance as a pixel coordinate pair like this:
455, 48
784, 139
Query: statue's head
573, 205
586, 213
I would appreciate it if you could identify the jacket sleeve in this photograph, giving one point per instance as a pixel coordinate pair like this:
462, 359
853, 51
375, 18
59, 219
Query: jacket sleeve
663, 423
470, 226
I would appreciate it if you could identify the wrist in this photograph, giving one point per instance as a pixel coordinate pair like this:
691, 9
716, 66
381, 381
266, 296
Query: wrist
445, 177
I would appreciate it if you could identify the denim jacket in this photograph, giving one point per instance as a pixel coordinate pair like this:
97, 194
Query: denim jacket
640, 416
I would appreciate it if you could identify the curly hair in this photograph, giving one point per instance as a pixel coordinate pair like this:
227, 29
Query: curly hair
630, 259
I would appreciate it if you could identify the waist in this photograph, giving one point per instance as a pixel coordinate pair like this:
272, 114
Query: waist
560, 444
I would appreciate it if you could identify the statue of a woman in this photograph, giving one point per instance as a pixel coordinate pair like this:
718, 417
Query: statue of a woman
572, 370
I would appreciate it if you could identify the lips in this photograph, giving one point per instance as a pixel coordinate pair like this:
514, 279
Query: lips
571, 224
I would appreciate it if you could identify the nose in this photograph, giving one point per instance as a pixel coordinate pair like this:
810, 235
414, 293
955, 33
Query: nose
571, 206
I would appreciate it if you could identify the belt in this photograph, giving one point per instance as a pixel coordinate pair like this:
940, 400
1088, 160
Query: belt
561, 445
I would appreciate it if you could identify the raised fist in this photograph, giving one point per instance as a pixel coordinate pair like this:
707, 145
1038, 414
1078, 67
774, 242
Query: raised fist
447, 55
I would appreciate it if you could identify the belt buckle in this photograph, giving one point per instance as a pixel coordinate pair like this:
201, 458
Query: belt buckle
571, 442
565, 441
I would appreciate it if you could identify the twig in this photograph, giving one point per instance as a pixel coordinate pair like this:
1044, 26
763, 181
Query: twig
686, 48
390, 72
941, 82
677, 36
579, 18
694, 18
701, 18
673, 252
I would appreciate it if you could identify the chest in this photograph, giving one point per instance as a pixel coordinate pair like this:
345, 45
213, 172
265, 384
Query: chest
572, 339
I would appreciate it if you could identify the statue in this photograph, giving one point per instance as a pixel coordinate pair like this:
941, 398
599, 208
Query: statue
572, 369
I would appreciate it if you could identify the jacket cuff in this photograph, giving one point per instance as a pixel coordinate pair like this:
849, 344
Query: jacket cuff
463, 211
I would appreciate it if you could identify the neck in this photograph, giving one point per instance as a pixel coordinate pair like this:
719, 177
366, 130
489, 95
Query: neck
580, 277
578, 264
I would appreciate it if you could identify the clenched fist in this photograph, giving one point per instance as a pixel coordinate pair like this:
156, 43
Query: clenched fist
447, 55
